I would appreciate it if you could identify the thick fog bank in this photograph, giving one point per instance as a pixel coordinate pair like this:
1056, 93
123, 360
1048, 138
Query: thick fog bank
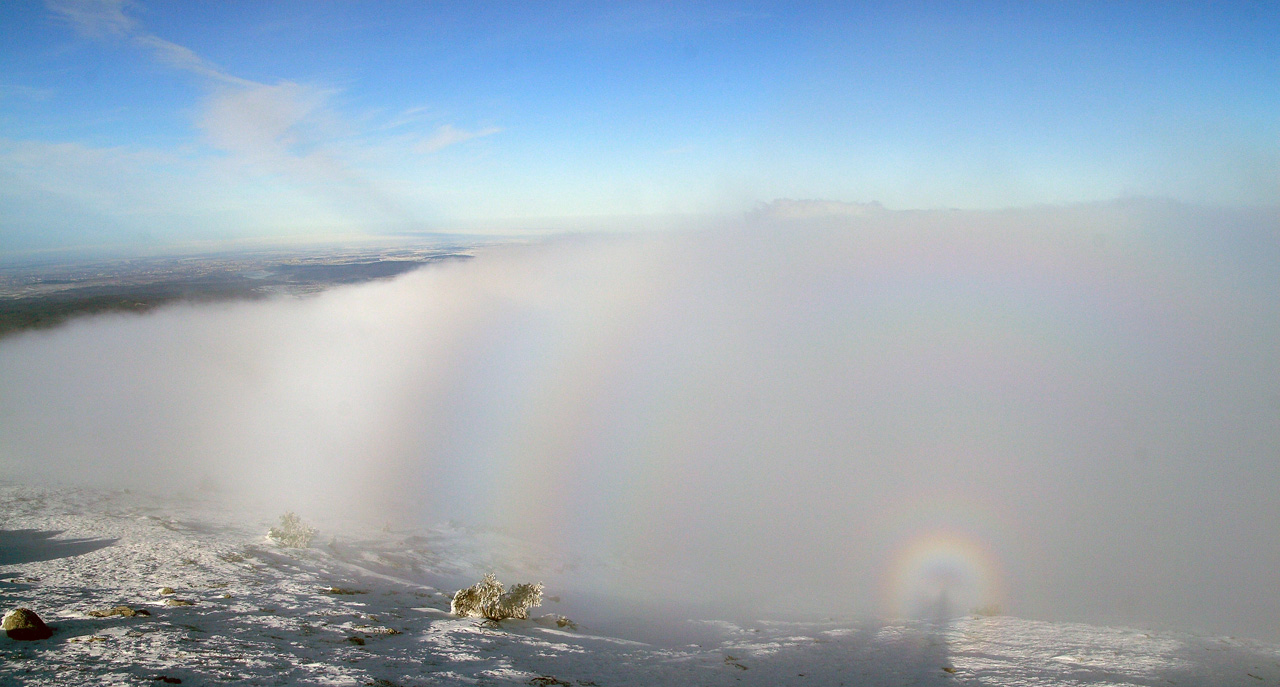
1065, 413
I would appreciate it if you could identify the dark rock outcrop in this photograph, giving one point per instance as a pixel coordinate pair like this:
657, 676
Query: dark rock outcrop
23, 624
121, 611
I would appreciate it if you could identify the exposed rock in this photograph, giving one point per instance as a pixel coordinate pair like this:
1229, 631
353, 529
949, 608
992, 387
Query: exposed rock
163, 591
119, 610
24, 624
178, 602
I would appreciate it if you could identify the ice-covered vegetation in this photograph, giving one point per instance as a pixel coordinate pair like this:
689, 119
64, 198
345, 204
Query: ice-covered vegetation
292, 532
488, 599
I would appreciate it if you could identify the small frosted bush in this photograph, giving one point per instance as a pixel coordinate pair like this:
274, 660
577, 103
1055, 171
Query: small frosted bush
518, 600
488, 599
292, 532
472, 601
988, 611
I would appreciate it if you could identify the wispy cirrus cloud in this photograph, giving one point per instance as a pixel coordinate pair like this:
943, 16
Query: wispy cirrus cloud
260, 122
272, 129
107, 18
95, 18
448, 135
249, 116
282, 133
183, 58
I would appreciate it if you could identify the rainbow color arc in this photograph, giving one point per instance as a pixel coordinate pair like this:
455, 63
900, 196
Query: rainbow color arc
942, 574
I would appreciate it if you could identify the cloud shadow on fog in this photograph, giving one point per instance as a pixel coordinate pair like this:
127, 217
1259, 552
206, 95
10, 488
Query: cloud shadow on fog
1068, 412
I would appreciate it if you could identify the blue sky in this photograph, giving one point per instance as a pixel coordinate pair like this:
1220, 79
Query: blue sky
150, 122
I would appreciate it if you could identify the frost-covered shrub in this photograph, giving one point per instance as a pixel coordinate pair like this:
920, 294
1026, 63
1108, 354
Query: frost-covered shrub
518, 600
988, 610
472, 601
488, 599
292, 532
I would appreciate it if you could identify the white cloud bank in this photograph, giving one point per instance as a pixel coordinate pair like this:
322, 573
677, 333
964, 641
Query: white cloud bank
1076, 408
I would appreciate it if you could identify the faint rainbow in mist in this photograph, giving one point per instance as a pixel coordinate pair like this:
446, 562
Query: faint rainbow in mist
943, 573
575, 410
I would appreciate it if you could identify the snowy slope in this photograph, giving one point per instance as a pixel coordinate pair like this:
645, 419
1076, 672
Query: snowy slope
367, 608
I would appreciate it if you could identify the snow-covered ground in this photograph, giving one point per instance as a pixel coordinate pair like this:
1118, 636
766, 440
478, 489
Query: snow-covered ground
371, 608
